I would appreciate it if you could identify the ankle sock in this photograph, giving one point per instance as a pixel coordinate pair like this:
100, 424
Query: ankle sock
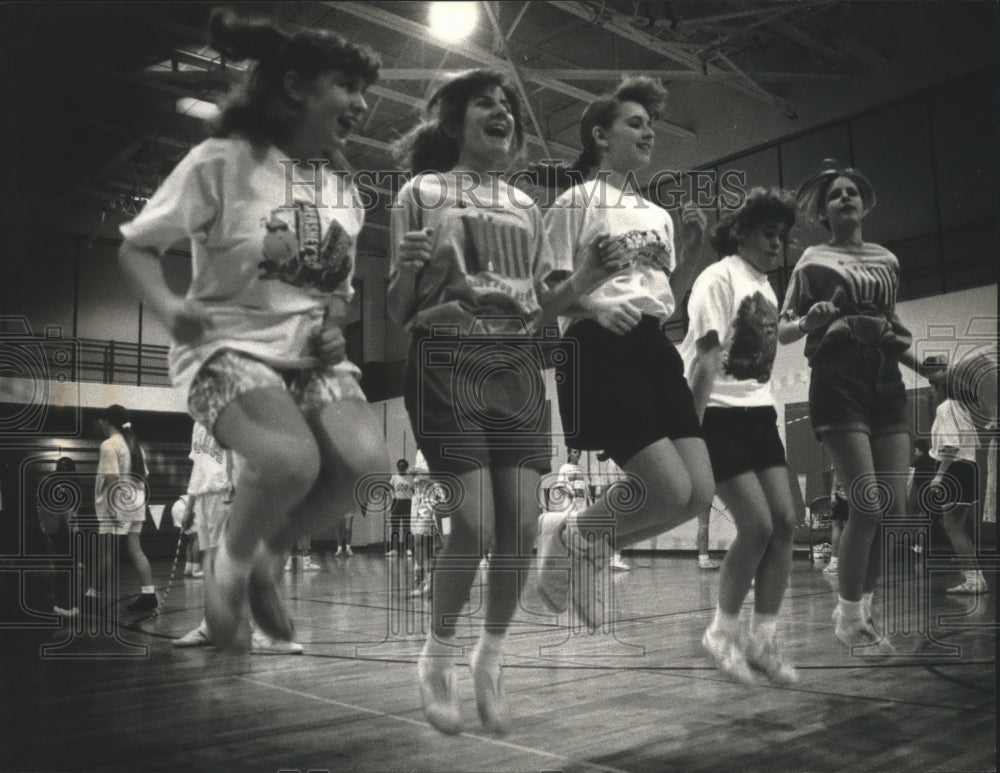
763, 627
726, 624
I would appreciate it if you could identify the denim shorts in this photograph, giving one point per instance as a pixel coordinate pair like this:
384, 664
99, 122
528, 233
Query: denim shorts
229, 374
857, 387
478, 404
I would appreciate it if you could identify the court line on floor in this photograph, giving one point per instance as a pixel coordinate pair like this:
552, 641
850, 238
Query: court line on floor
421, 723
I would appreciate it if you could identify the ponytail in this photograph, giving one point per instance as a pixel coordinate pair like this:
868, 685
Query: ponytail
118, 417
258, 108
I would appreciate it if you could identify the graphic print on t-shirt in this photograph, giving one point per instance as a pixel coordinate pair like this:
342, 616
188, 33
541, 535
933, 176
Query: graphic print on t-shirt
297, 252
646, 248
752, 341
872, 286
497, 247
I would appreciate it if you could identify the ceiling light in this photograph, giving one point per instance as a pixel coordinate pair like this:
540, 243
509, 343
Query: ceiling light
453, 21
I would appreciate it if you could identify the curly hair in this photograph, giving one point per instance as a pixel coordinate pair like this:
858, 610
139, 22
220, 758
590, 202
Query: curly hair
761, 206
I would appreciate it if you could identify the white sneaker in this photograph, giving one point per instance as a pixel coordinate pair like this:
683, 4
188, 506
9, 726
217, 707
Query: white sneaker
766, 656
262, 644
442, 706
728, 656
970, 587
618, 565
707, 563
69, 614
552, 572
308, 565
860, 633
491, 701
348, 552
196, 638
340, 551
586, 584
831, 568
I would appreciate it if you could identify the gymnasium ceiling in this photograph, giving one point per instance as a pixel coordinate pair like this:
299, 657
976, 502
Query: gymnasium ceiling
91, 90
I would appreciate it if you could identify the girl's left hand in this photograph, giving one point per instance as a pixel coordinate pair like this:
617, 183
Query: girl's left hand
329, 345
693, 224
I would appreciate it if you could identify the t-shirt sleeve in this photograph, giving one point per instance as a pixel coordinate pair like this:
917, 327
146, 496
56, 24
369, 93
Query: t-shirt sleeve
183, 208
710, 307
563, 224
798, 297
548, 267
668, 238
405, 217
107, 463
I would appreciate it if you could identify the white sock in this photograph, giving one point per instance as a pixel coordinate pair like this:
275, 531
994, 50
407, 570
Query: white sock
851, 610
491, 640
703, 557
866, 601
440, 654
975, 576
726, 624
147, 589
763, 627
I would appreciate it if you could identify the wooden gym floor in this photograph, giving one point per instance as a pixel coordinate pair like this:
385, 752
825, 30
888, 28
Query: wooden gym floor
642, 697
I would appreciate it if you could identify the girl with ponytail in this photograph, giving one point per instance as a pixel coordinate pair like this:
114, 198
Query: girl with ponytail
258, 350
120, 497
471, 259
842, 299
623, 392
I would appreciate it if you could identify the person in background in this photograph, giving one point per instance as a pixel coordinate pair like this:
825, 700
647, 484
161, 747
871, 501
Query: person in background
121, 494
402, 504
839, 512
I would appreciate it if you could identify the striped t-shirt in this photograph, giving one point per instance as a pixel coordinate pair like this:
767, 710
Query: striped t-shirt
862, 282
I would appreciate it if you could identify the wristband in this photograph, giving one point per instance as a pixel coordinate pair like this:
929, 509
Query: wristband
799, 326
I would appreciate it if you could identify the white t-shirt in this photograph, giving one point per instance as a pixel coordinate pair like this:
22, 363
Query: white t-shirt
490, 253
735, 300
953, 427
210, 474
118, 495
270, 243
645, 230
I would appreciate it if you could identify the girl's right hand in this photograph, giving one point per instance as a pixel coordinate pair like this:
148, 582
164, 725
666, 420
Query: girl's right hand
818, 315
414, 250
618, 319
187, 320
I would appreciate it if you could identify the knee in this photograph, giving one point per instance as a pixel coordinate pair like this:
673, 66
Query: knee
290, 470
783, 525
756, 531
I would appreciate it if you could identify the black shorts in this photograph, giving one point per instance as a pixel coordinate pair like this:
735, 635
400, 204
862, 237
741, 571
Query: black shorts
960, 486
742, 440
857, 387
620, 394
478, 402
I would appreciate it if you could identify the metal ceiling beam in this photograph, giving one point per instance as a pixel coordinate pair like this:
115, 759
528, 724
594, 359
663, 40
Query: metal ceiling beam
516, 76
422, 32
675, 75
620, 25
